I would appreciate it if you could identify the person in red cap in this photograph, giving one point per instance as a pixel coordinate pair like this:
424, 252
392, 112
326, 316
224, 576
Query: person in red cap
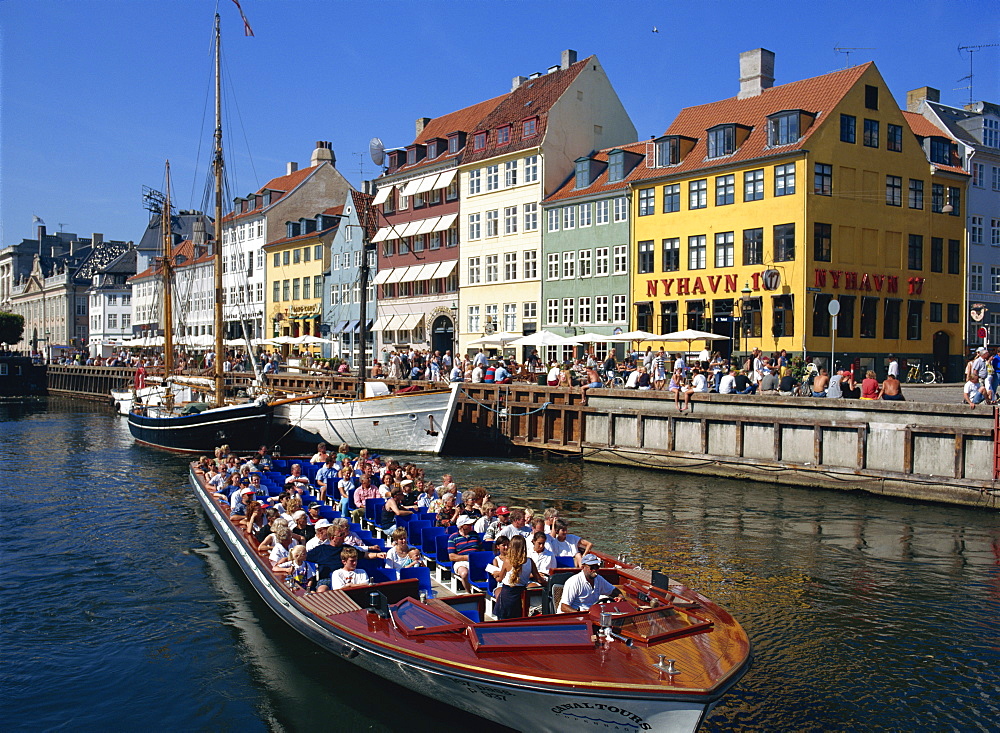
493, 531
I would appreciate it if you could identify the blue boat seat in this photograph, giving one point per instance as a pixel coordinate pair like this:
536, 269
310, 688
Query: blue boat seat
565, 562
478, 561
413, 530
441, 556
423, 577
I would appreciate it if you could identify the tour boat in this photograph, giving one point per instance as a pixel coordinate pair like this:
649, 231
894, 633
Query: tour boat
658, 659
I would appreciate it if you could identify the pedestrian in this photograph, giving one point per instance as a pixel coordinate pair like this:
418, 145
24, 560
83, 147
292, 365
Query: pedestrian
973, 392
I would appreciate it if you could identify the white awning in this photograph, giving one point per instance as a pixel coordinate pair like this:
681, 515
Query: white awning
408, 230
427, 183
382, 276
444, 180
424, 272
407, 321
426, 225
396, 274
444, 269
445, 222
383, 194
382, 234
384, 323
411, 187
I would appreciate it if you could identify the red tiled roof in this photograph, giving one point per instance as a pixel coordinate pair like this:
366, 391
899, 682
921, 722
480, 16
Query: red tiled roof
600, 184
820, 94
282, 183
534, 97
366, 212
186, 250
923, 127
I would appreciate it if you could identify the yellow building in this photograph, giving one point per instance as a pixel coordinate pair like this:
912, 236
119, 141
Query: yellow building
752, 214
295, 267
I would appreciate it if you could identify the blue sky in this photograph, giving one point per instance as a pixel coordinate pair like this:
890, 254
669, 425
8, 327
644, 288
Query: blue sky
96, 94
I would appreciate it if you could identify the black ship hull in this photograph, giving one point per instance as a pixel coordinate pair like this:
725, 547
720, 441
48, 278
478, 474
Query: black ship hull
242, 427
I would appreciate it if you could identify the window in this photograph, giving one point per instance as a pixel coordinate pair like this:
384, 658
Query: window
823, 179
531, 169
696, 315
621, 209
871, 97
510, 173
753, 185
620, 309
554, 268
509, 317
492, 223
725, 250
552, 311
306, 288
671, 255
475, 230
893, 142
721, 141
584, 263
821, 317
937, 254
725, 189
646, 256
277, 259
434, 240
668, 316
955, 200
975, 230
953, 256
621, 259
585, 214
696, 252
978, 175
784, 179
666, 152
915, 252
419, 242
286, 257
916, 194
474, 270
568, 307
569, 265
601, 309
112, 321
569, 217
783, 129
616, 167
890, 324
492, 268
583, 310
995, 279
991, 132
871, 133
475, 181
845, 319
529, 128
503, 135
404, 202
698, 194
893, 191
976, 278
479, 141
937, 198
753, 246
940, 151
510, 220
418, 201
782, 316
510, 266
582, 173
602, 211
601, 266
822, 239
276, 291
451, 193
935, 313
474, 319
848, 128
404, 243
914, 319
286, 289
318, 251
784, 242
671, 198
529, 312
493, 177
530, 217
553, 216
953, 314
530, 264
995, 232
127, 319
296, 289
647, 201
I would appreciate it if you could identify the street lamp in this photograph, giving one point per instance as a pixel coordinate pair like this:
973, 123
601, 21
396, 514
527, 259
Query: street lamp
747, 323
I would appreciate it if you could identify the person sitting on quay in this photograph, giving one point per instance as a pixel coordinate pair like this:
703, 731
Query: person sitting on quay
460, 544
892, 390
727, 382
973, 393
501, 375
678, 387
787, 385
586, 588
820, 383
699, 382
593, 381
870, 388
768, 383
742, 383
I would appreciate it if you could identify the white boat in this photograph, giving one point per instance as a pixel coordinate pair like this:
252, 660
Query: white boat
379, 421
152, 394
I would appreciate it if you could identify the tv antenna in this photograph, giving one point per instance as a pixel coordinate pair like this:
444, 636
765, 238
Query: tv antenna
361, 164
152, 200
971, 50
61, 225
847, 51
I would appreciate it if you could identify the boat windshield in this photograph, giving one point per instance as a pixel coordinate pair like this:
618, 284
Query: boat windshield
497, 637
658, 624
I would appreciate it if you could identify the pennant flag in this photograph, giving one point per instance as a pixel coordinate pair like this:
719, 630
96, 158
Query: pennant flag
247, 30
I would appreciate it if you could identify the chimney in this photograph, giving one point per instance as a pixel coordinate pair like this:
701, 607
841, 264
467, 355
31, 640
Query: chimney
916, 97
198, 235
422, 122
568, 58
291, 167
323, 152
756, 72
41, 233
97, 239
517, 81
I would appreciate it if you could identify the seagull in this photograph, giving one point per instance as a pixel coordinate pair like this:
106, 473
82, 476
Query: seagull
655, 29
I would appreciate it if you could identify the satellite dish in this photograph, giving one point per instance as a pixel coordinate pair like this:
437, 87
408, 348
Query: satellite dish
377, 151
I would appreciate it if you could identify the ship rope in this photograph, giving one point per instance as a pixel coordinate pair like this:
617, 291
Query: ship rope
504, 411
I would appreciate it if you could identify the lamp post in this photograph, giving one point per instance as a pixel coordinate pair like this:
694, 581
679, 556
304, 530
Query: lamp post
747, 322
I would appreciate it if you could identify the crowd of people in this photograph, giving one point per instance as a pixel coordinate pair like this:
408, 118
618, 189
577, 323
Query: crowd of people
314, 553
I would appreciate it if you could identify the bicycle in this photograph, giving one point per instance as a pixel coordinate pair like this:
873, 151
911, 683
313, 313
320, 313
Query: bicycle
613, 380
918, 375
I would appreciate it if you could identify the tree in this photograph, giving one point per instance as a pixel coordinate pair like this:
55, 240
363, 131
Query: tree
11, 328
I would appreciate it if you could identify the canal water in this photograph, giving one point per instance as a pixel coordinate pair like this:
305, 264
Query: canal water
120, 610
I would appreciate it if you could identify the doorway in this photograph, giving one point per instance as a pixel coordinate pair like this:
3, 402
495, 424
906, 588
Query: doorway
443, 334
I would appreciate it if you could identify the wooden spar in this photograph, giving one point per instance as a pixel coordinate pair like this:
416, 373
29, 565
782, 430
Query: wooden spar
168, 283
217, 167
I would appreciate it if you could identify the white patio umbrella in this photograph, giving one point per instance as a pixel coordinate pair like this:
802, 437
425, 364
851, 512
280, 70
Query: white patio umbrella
593, 338
542, 338
689, 335
502, 338
308, 339
637, 335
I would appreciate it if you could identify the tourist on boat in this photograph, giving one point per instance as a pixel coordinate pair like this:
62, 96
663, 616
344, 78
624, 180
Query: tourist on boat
301, 526
300, 572
396, 555
517, 526
543, 558
516, 571
238, 502
447, 512
393, 508
427, 497
328, 557
488, 517
321, 534
586, 588
501, 518
283, 543
259, 490
296, 480
321, 455
263, 530
563, 544
349, 575
327, 477
460, 544
365, 491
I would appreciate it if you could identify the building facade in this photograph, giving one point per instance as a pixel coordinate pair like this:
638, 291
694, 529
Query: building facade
520, 152
110, 305
762, 209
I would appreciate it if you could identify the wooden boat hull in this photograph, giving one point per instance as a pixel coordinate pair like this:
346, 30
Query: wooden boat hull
243, 427
417, 420
524, 703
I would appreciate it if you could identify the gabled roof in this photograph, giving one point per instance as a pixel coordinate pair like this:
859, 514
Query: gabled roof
534, 97
600, 184
923, 127
183, 257
366, 212
820, 94
285, 184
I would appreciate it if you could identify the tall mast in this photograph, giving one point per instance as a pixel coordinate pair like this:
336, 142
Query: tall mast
168, 281
217, 169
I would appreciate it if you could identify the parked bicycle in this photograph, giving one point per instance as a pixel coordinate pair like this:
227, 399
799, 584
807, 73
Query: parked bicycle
613, 380
919, 375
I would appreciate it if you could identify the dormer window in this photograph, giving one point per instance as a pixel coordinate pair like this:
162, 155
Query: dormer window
267, 198
941, 150
453, 144
666, 151
503, 135
479, 141
583, 173
616, 166
721, 140
783, 128
292, 228
529, 128
411, 156
432, 149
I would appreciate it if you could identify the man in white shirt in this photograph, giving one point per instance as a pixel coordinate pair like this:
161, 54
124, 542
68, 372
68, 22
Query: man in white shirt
585, 588
348, 575
477, 374
699, 382
704, 357
321, 537
517, 526
893, 367
727, 385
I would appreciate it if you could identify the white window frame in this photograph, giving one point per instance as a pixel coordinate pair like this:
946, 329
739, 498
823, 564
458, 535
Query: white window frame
619, 309
473, 319
475, 227
509, 266
531, 169
530, 216
586, 214
474, 271
621, 208
493, 177
585, 263
621, 259
569, 265
583, 313
530, 267
493, 223
492, 268
603, 211
552, 311
601, 309
510, 173
602, 261
554, 270
568, 311
510, 220
553, 220
475, 182
569, 217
